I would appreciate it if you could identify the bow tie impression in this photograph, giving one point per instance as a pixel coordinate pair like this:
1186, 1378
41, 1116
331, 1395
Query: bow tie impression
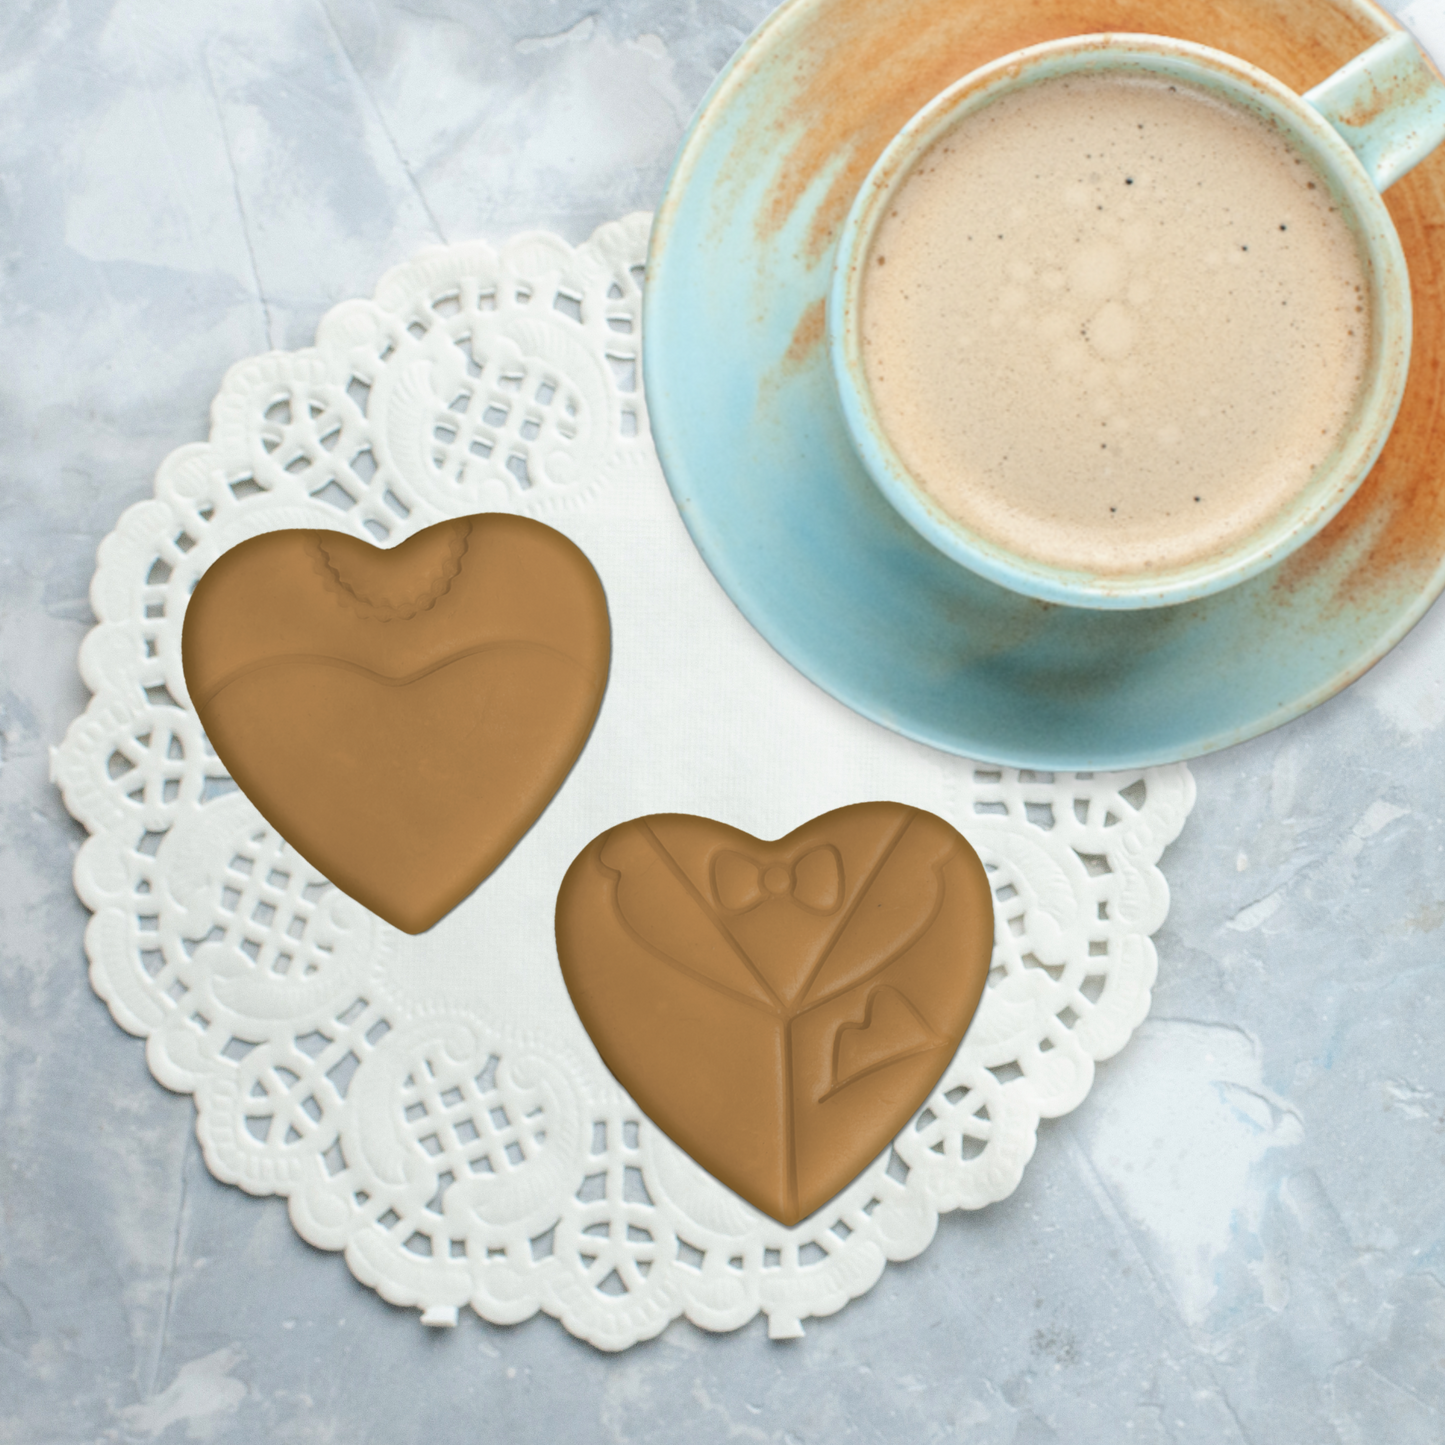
778, 1009
814, 882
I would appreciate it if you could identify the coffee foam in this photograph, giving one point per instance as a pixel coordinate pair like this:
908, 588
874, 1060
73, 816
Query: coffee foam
1114, 323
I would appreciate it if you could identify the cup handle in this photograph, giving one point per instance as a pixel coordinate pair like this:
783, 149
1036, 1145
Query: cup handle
1389, 106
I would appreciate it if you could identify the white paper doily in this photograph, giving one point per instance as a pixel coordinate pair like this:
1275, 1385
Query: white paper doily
431, 1105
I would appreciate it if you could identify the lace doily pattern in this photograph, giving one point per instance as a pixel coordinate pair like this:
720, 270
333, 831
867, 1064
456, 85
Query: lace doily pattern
456, 1156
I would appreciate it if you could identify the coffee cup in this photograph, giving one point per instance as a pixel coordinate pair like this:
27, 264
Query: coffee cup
1119, 321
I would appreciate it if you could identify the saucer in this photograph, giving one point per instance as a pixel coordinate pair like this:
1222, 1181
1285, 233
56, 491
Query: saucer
747, 423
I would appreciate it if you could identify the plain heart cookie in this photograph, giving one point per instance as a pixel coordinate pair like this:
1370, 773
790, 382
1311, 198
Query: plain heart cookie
401, 717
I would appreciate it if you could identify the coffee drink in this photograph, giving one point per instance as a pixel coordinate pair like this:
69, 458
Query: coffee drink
1114, 323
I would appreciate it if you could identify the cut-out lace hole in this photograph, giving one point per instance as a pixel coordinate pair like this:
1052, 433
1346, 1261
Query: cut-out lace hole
353, 1011
313, 1043
341, 1072
335, 495
1006, 1073
624, 372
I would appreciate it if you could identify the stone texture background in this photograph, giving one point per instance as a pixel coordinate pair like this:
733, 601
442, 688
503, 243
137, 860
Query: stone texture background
1237, 1239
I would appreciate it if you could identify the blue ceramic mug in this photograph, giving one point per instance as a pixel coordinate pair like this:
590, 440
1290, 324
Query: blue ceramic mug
1361, 130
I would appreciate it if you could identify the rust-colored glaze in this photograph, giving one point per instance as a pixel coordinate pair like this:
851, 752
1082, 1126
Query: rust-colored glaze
860, 69
1400, 506
866, 68
807, 334
1405, 90
779, 1009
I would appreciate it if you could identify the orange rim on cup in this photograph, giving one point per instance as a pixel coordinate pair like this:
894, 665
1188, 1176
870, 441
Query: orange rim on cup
1359, 131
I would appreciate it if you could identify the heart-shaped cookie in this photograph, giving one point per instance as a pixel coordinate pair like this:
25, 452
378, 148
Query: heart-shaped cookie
780, 1010
400, 717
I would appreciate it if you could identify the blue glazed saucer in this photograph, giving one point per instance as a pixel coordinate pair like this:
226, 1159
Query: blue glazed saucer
750, 434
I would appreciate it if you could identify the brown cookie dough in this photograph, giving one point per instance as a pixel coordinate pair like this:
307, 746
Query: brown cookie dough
779, 1009
401, 717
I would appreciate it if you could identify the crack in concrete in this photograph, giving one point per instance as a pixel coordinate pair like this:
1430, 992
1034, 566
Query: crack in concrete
171, 1277
240, 200
1109, 1208
376, 110
579, 30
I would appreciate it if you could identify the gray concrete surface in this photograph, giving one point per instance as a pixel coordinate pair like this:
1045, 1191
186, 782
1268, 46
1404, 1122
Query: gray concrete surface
1238, 1238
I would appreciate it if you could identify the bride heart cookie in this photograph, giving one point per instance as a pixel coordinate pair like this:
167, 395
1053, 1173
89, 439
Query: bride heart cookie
400, 717
779, 1009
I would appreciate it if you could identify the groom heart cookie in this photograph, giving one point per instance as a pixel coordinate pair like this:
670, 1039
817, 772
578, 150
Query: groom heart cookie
779, 1009
401, 717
